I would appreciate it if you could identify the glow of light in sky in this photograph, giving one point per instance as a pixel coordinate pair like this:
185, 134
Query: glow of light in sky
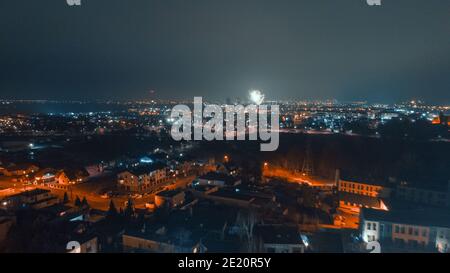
256, 96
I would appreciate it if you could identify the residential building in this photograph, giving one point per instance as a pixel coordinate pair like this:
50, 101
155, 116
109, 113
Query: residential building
353, 203
85, 244
20, 169
36, 199
428, 195
228, 168
279, 239
218, 179
199, 228
425, 230
157, 241
364, 188
170, 198
45, 176
355, 194
70, 176
143, 179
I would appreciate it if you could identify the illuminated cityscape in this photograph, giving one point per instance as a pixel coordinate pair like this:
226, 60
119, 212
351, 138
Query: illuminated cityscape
122, 170
89, 161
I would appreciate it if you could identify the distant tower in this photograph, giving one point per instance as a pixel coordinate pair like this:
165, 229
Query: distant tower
307, 168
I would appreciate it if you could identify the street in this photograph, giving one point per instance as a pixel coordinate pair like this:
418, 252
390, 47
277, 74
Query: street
90, 190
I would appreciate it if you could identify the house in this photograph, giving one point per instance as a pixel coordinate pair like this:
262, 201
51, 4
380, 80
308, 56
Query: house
36, 199
231, 198
194, 230
442, 120
202, 190
355, 193
94, 169
71, 176
170, 198
279, 239
353, 203
237, 197
142, 179
20, 169
324, 241
45, 176
158, 241
184, 167
373, 189
228, 168
437, 194
76, 237
218, 179
426, 230
83, 244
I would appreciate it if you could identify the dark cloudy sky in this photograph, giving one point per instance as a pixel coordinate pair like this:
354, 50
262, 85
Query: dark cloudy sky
307, 49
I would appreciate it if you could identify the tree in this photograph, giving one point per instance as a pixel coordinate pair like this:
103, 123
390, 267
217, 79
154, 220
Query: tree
112, 211
77, 202
246, 221
65, 198
84, 202
129, 209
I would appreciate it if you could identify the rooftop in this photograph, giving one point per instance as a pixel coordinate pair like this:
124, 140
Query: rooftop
420, 217
232, 194
34, 192
230, 180
364, 200
168, 193
146, 169
279, 234
362, 180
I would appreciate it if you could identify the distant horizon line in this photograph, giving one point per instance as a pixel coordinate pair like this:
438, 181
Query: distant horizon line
159, 100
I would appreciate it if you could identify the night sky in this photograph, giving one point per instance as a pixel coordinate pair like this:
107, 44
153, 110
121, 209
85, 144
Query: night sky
315, 49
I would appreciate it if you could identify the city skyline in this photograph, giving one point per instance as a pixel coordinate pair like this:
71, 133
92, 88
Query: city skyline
236, 128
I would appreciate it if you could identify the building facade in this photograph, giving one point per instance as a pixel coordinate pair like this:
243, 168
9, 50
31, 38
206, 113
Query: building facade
143, 179
406, 230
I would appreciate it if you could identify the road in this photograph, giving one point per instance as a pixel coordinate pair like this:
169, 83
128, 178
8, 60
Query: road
90, 191
98, 202
294, 177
